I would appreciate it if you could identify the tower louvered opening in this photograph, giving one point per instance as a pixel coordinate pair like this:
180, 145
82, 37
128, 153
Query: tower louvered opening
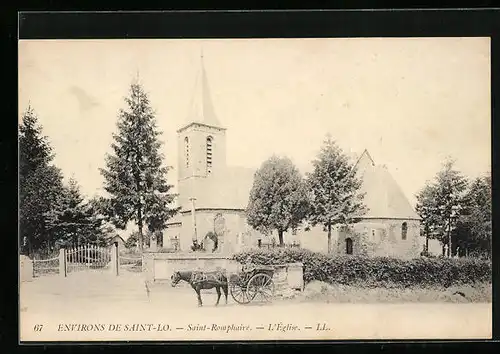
209, 154
186, 150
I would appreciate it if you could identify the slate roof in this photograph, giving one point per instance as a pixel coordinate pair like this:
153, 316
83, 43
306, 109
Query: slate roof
384, 198
201, 106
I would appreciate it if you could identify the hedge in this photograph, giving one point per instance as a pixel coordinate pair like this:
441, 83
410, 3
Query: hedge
376, 271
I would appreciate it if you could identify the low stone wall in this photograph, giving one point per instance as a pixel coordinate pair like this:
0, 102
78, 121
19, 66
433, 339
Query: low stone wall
159, 267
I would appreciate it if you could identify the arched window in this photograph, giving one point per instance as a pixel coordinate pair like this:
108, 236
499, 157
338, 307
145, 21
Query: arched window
348, 245
186, 150
404, 230
209, 154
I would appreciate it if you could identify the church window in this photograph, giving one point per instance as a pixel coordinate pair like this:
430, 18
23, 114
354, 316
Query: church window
404, 230
209, 154
374, 235
186, 150
348, 245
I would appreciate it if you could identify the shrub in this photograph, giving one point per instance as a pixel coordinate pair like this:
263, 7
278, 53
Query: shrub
376, 271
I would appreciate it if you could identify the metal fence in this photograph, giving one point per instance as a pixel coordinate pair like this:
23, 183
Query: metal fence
130, 262
45, 266
87, 257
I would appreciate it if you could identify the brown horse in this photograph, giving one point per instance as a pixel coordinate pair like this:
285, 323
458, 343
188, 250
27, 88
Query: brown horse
202, 281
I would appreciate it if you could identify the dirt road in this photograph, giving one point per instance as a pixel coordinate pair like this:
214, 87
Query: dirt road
101, 307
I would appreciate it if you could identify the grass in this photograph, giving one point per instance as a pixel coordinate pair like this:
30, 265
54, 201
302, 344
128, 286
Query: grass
323, 292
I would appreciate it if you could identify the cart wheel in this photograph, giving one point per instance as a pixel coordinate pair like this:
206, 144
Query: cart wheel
260, 288
239, 293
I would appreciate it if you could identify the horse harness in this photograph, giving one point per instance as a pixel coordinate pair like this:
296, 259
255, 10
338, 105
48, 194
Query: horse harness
201, 277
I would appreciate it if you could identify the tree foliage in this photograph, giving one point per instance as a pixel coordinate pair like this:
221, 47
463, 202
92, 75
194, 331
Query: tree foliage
133, 240
442, 202
372, 272
474, 227
40, 185
135, 177
334, 189
34, 148
75, 221
427, 209
451, 187
278, 198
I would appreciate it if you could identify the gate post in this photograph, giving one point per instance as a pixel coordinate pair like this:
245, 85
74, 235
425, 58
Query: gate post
114, 259
62, 262
27, 269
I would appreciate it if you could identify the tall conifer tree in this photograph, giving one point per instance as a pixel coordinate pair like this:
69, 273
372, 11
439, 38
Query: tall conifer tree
74, 221
40, 185
135, 177
334, 190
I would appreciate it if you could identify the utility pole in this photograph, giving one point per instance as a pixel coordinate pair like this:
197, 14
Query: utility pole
193, 215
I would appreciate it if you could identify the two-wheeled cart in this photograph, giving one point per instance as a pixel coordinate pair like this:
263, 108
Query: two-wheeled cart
253, 283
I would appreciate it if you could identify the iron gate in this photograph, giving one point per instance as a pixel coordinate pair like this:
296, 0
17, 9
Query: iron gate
88, 257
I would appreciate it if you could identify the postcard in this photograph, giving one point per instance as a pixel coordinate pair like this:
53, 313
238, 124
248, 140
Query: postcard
255, 189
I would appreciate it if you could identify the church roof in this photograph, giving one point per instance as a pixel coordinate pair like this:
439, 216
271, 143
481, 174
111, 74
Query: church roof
383, 196
229, 189
201, 107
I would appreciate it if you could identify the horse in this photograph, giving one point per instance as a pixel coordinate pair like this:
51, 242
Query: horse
202, 281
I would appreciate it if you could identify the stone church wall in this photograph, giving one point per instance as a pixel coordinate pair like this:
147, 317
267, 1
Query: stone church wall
231, 221
315, 239
374, 237
383, 238
170, 233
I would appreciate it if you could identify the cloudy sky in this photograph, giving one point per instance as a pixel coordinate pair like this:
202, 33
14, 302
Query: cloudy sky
410, 102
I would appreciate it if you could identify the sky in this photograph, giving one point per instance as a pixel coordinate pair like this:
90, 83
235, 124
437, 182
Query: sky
409, 102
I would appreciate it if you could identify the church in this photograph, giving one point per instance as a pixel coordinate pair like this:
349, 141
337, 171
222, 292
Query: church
213, 196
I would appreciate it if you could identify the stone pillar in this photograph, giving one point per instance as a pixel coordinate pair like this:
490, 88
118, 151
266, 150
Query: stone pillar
114, 259
295, 276
26, 269
62, 262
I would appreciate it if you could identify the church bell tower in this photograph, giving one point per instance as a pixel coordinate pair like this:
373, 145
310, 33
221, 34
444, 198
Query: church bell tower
201, 144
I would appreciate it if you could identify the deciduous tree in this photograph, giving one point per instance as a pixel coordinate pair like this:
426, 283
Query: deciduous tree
278, 198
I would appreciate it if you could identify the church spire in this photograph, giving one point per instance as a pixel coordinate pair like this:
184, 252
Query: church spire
201, 108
